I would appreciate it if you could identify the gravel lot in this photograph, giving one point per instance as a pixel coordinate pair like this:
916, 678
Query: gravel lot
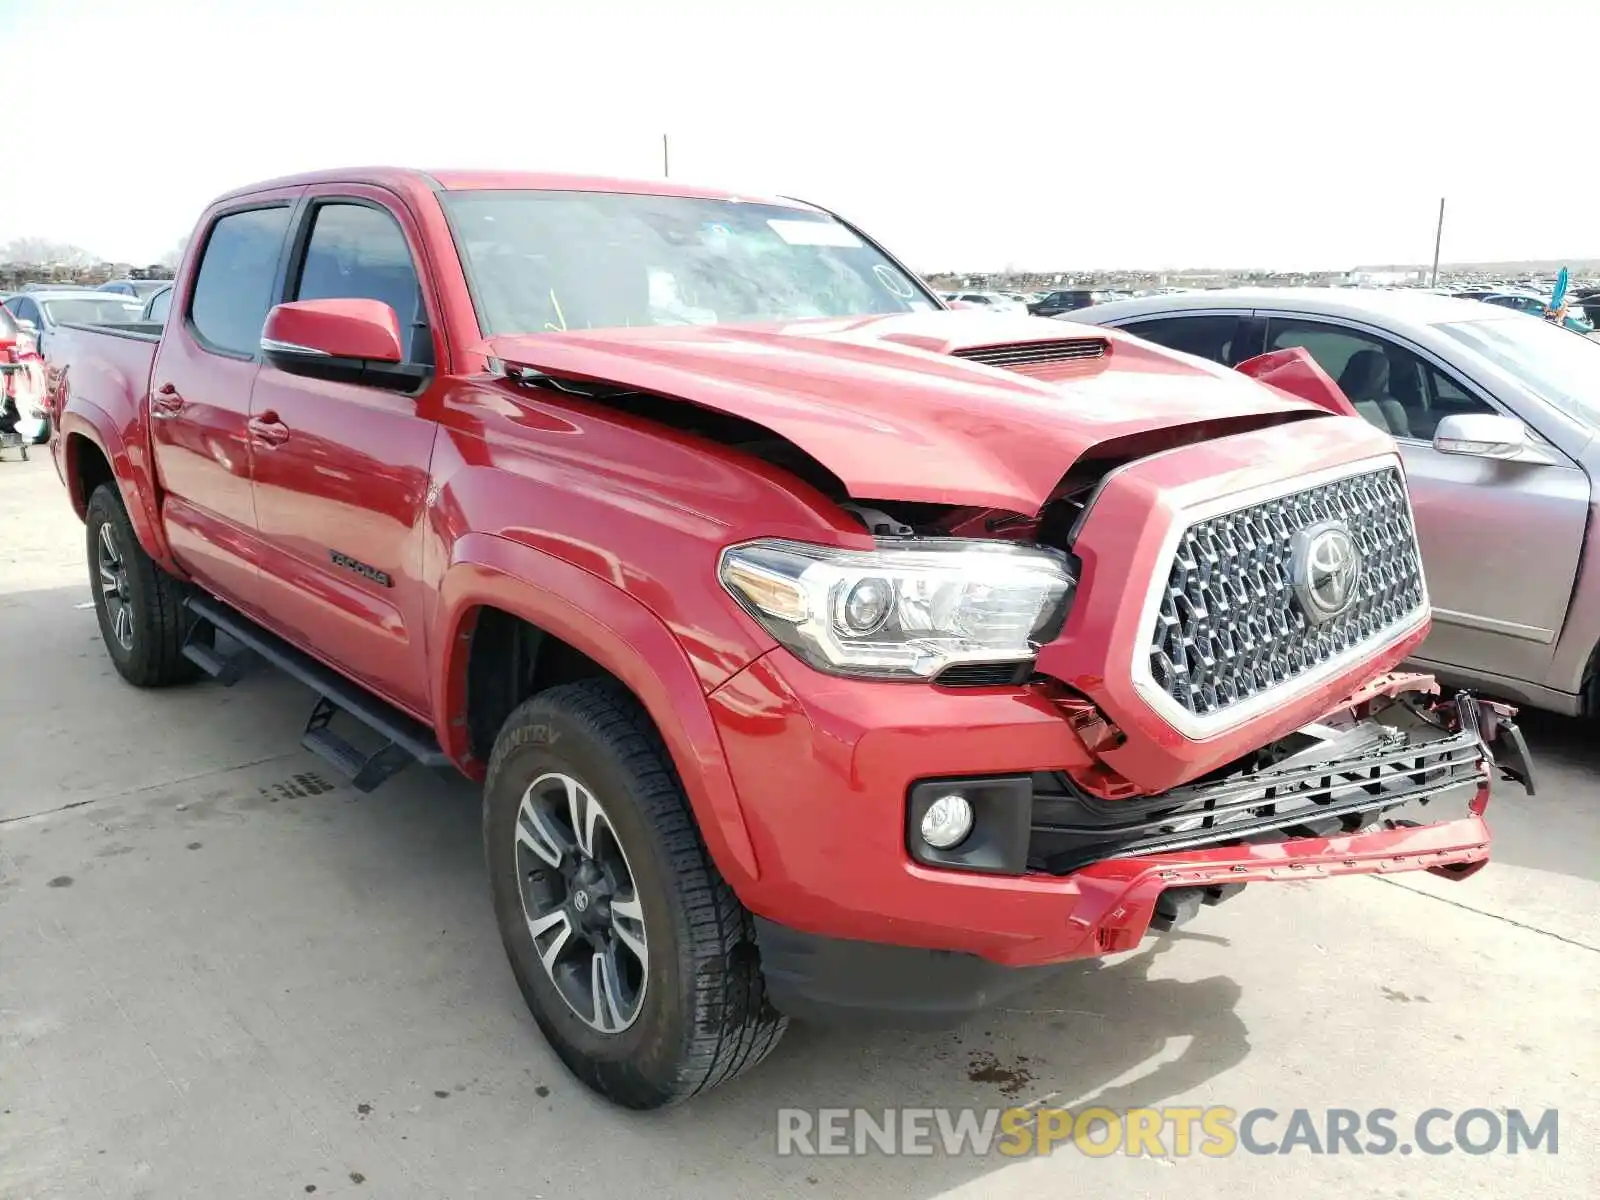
223, 976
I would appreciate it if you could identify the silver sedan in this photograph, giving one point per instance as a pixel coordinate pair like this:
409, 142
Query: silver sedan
1495, 414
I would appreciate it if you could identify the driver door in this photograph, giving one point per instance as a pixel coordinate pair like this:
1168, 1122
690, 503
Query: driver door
341, 471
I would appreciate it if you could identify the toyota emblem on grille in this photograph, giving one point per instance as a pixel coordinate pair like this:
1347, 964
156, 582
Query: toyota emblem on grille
1326, 566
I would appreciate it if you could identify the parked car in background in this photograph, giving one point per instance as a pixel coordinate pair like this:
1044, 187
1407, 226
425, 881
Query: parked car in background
1068, 300
833, 660
1534, 305
22, 381
134, 287
48, 310
58, 287
1588, 299
996, 301
1495, 416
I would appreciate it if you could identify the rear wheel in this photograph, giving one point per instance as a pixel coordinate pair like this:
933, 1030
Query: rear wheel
634, 955
140, 606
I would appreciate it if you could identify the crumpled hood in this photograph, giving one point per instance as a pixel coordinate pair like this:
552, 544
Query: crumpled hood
881, 402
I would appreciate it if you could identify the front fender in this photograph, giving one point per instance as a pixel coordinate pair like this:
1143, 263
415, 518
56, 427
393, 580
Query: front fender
87, 420
618, 632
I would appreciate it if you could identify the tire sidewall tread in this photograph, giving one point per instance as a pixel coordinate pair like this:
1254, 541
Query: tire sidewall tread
160, 621
706, 1017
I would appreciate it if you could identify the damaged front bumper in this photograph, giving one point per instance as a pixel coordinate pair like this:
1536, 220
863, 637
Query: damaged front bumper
1343, 775
1070, 876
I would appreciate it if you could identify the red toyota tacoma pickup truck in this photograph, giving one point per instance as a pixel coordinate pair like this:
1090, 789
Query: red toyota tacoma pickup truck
821, 651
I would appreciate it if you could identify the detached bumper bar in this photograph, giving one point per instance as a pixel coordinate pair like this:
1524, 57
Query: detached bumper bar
1317, 793
1338, 776
1326, 808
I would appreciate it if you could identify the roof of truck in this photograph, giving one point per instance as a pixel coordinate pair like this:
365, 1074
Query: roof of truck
404, 179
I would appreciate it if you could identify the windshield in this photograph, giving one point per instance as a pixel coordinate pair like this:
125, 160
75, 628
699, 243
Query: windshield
92, 310
543, 261
1561, 366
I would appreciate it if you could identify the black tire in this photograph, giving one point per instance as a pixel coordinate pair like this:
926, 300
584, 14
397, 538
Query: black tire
152, 654
702, 1012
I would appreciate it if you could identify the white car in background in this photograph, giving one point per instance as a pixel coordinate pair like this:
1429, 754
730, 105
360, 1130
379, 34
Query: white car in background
46, 309
998, 301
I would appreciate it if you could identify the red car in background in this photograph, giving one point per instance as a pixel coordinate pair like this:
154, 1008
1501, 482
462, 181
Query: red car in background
22, 414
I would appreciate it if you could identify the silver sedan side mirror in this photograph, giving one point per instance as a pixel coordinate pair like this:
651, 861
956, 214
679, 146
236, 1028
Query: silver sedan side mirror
1481, 435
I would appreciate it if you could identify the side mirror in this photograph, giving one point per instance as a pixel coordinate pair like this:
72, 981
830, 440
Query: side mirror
1481, 435
347, 341
359, 330
961, 304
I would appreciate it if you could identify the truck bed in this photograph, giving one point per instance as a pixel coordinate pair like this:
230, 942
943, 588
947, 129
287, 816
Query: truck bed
140, 331
106, 362
106, 365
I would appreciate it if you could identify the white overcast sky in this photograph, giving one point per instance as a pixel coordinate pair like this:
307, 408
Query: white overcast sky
968, 134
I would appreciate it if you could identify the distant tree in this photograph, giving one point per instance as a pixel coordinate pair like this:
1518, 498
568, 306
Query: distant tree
174, 256
43, 252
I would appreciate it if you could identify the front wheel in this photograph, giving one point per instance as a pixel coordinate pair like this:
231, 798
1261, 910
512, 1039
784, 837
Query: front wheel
634, 955
140, 606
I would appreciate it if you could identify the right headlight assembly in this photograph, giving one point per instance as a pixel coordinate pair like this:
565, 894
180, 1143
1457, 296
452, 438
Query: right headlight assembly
904, 610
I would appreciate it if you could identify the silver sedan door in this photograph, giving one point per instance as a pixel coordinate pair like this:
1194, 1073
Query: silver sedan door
1500, 537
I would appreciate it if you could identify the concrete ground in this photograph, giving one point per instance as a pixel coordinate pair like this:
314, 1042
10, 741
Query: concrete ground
222, 976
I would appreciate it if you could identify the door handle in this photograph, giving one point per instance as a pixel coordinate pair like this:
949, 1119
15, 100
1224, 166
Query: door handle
166, 402
268, 430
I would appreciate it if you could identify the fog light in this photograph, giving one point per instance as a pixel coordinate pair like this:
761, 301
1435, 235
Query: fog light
947, 822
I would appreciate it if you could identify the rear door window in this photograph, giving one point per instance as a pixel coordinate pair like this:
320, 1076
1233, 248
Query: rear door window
1209, 336
27, 310
1391, 387
233, 289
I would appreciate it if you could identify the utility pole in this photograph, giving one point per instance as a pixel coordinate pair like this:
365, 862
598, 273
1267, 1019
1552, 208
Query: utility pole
1438, 236
666, 163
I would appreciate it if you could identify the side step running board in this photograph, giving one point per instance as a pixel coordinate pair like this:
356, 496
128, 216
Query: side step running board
405, 739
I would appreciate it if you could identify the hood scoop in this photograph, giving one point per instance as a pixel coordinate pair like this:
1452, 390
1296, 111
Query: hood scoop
1042, 360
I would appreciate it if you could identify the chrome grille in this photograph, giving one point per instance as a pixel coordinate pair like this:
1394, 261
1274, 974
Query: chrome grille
1036, 358
1229, 624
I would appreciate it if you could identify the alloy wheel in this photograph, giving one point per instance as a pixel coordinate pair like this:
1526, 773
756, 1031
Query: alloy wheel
581, 903
114, 590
